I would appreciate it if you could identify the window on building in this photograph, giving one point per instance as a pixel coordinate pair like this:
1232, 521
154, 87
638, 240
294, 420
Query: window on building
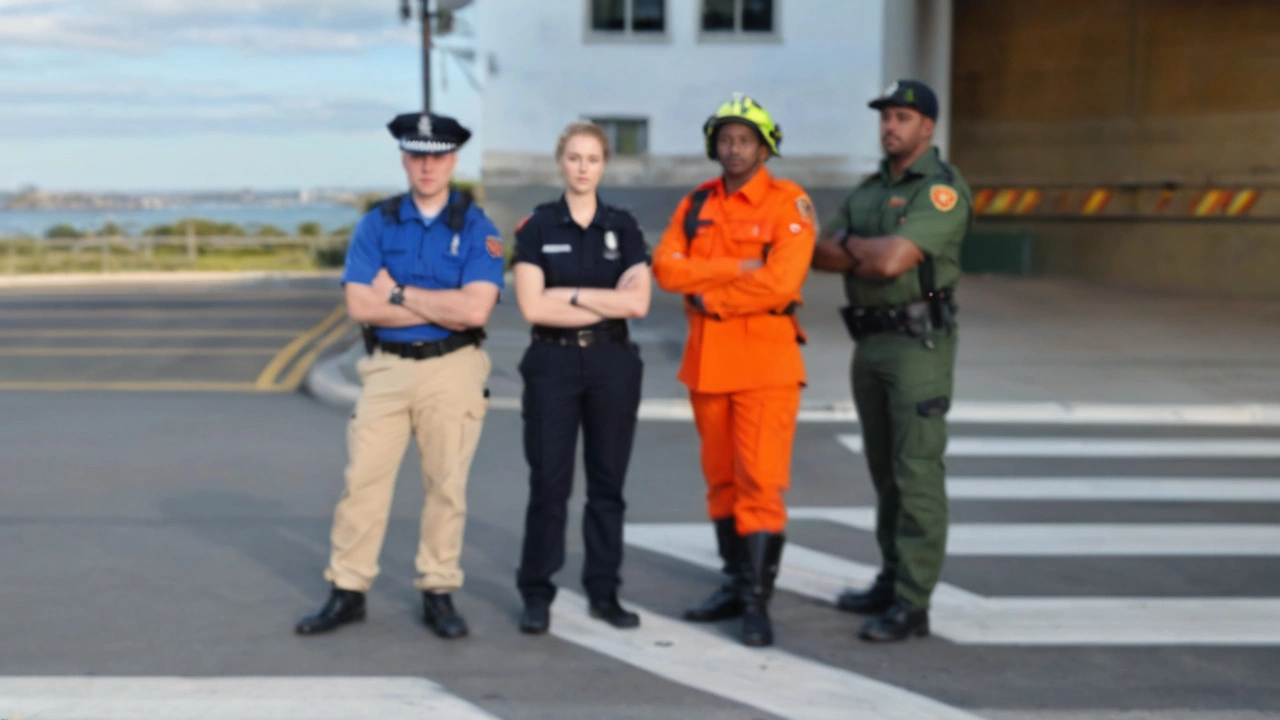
746, 16
627, 136
629, 16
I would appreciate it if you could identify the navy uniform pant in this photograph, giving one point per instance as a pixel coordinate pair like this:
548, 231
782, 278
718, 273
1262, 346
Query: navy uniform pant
595, 389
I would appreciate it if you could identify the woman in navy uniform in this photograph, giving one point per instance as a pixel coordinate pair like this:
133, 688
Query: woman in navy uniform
581, 269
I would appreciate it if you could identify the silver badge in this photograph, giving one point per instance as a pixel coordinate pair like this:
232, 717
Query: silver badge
424, 125
453, 246
610, 246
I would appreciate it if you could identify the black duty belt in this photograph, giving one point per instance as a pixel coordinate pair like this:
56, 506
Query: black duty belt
426, 350
608, 331
914, 318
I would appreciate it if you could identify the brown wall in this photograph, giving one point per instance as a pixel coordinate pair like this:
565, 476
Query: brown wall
1125, 92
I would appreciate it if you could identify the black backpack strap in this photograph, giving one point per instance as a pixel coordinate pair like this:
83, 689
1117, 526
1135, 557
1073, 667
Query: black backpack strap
457, 217
391, 208
691, 221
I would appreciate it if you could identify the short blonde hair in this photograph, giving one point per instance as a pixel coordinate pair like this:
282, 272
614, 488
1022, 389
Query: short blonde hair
582, 127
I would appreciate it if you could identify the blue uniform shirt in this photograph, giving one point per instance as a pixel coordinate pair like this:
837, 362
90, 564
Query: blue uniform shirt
424, 253
571, 256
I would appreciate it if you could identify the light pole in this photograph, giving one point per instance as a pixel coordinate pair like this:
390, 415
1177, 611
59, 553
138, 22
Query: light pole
443, 18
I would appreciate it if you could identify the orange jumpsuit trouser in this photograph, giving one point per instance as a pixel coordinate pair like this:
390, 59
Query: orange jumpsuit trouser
746, 454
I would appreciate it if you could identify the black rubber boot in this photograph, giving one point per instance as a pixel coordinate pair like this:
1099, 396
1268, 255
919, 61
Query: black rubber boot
726, 601
763, 553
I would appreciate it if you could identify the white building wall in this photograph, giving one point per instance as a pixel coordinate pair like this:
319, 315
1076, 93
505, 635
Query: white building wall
542, 68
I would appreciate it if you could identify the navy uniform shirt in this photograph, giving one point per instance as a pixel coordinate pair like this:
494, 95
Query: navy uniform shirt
571, 256
424, 253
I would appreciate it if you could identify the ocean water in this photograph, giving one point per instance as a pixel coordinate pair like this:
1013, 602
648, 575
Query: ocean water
285, 217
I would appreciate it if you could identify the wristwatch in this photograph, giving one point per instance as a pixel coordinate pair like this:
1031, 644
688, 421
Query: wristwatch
397, 295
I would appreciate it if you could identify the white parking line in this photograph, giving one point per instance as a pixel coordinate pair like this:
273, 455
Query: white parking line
767, 679
243, 698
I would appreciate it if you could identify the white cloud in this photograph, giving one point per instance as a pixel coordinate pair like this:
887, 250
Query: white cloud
149, 26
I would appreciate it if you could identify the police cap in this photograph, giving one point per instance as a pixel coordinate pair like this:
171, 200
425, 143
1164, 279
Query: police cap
428, 133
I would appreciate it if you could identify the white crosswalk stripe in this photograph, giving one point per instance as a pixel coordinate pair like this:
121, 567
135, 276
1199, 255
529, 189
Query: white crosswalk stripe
243, 698
965, 617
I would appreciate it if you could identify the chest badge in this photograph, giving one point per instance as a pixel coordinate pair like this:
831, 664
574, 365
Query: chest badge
611, 245
453, 246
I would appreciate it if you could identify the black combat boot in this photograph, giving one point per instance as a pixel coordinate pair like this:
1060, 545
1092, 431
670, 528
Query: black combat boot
899, 622
726, 601
763, 553
342, 607
437, 610
871, 601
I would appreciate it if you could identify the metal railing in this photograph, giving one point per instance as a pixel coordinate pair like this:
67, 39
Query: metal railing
166, 252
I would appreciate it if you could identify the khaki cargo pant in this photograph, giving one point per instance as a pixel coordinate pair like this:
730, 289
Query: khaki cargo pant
441, 401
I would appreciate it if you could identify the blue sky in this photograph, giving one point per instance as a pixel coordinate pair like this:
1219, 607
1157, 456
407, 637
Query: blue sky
220, 94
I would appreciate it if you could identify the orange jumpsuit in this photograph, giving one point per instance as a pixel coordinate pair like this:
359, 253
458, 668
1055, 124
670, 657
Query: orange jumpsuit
742, 360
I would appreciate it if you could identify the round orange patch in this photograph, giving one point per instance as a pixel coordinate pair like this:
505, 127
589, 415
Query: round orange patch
943, 197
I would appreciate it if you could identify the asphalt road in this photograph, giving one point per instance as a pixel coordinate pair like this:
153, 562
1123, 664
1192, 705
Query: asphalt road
1132, 572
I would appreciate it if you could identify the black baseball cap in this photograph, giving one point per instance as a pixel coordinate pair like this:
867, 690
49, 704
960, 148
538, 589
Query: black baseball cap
909, 93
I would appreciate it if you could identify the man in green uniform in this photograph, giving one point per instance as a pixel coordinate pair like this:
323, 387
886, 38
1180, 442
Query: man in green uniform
896, 239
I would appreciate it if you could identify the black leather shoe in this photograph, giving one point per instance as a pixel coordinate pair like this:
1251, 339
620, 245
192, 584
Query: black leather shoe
437, 610
899, 622
536, 619
872, 601
342, 607
726, 601
612, 612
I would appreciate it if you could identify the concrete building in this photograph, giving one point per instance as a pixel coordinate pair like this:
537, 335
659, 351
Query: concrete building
1133, 141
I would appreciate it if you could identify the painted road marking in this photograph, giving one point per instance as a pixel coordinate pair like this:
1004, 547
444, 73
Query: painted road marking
132, 386
767, 679
123, 351
150, 332
267, 378
970, 619
1022, 447
259, 698
1081, 539
1214, 490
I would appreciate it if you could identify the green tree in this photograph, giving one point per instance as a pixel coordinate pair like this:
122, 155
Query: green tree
309, 229
270, 231
62, 230
112, 230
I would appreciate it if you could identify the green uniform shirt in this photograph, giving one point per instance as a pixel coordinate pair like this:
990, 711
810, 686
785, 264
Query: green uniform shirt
931, 205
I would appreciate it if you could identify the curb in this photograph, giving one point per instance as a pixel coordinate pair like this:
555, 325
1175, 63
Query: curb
328, 383
158, 277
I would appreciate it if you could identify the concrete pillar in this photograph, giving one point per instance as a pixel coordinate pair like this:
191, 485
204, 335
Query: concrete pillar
917, 44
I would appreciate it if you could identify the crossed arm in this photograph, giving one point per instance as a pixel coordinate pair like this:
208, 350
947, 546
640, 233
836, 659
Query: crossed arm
878, 258
541, 305
466, 307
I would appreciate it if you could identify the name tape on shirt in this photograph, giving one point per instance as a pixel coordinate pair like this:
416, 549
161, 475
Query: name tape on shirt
553, 249
943, 197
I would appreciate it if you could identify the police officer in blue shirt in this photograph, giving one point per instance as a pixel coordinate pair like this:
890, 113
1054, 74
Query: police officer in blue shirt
423, 272
581, 269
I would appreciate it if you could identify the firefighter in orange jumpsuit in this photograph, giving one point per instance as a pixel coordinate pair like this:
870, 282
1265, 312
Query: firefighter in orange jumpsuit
738, 248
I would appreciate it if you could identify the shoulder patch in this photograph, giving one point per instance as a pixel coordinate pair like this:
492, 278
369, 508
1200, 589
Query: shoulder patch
520, 225
805, 208
493, 244
943, 197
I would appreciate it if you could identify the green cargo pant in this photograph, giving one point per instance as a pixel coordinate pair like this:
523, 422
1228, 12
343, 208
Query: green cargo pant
902, 390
